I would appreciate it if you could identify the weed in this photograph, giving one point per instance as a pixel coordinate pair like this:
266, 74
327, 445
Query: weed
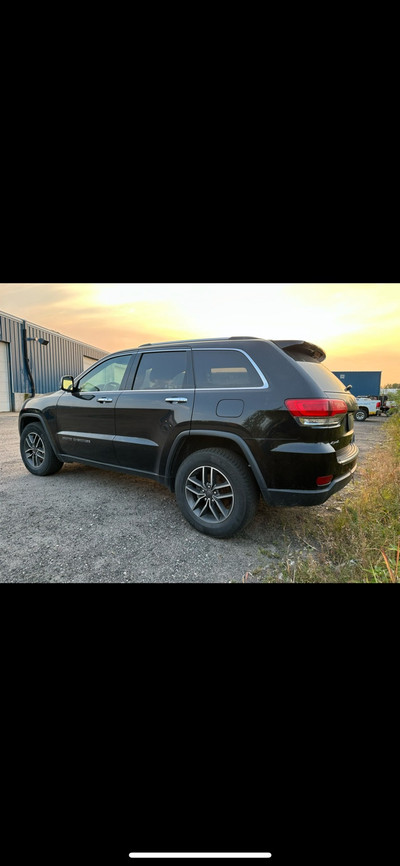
392, 574
358, 543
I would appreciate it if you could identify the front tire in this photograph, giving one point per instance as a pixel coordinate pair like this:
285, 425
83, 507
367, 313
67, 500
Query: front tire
216, 492
37, 452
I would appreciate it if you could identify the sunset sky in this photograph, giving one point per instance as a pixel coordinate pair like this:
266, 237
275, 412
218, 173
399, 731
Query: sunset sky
357, 324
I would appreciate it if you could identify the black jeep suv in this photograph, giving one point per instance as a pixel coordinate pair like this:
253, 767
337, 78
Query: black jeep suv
217, 421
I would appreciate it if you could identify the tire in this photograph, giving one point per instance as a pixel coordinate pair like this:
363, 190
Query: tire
37, 452
235, 498
361, 415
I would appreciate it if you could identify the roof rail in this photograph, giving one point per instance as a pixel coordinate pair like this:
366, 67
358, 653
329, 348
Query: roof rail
195, 340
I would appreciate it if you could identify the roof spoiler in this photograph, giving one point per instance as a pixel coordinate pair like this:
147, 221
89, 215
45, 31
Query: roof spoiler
301, 350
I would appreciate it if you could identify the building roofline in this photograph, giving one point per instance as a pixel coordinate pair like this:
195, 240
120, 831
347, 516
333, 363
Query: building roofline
50, 331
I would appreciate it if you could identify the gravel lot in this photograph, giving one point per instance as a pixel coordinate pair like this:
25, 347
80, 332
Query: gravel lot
87, 525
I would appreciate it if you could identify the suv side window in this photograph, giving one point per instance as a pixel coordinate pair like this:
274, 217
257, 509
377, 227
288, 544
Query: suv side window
224, 368
107, 376
159, 370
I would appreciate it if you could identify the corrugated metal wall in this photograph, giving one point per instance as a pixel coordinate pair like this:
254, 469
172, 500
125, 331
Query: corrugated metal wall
62, 356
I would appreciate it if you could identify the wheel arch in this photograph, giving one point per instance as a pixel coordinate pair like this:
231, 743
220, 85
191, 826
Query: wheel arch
32, 418
190, 441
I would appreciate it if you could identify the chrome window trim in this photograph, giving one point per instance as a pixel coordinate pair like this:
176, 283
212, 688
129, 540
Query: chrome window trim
156, 390
234, 387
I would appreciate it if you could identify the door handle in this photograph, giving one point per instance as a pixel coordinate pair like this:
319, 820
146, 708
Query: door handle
176, 399
104, 399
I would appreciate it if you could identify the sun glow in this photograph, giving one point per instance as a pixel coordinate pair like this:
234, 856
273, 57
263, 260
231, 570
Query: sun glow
218, 310
357, 325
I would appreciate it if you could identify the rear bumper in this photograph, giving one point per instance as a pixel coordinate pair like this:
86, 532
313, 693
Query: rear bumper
308, 497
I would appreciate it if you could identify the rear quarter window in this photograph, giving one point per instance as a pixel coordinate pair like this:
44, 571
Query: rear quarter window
224, 368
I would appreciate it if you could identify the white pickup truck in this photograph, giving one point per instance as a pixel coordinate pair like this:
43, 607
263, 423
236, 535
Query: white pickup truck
367, 406
387, 404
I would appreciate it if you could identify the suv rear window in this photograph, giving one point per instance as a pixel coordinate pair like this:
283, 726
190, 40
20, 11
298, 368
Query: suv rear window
322, 376
224, 368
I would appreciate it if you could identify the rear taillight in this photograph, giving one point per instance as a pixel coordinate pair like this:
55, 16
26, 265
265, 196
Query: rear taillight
317, 413
378, 405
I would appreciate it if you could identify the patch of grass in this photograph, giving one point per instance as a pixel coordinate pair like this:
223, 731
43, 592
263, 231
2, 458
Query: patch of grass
356, 539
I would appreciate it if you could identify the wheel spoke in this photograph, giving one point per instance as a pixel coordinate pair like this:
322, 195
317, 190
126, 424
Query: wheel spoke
215, 513
194, 481
197, 502
224, 511
194, 491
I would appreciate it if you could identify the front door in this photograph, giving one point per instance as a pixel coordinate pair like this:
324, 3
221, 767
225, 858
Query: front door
86, 416
158, 407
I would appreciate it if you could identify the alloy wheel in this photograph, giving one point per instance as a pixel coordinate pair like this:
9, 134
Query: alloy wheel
34, 449
209, 494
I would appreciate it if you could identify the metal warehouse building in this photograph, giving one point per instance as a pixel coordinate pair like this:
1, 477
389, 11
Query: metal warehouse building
33, 359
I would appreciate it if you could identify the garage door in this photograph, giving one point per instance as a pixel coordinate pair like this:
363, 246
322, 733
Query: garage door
5, 397
87, 362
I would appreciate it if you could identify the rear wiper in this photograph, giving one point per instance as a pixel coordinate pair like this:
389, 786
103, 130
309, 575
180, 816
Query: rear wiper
347, 388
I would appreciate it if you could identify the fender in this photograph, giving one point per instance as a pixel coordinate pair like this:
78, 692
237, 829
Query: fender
230, 437
36, 416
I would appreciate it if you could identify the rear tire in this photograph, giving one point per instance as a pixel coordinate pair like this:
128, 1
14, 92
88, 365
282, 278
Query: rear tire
37, 452
361, 415
216, 492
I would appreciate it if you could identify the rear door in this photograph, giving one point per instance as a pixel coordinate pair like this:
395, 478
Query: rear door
156, 409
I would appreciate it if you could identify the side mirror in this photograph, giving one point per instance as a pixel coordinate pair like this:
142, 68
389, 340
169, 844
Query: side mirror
67, 383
